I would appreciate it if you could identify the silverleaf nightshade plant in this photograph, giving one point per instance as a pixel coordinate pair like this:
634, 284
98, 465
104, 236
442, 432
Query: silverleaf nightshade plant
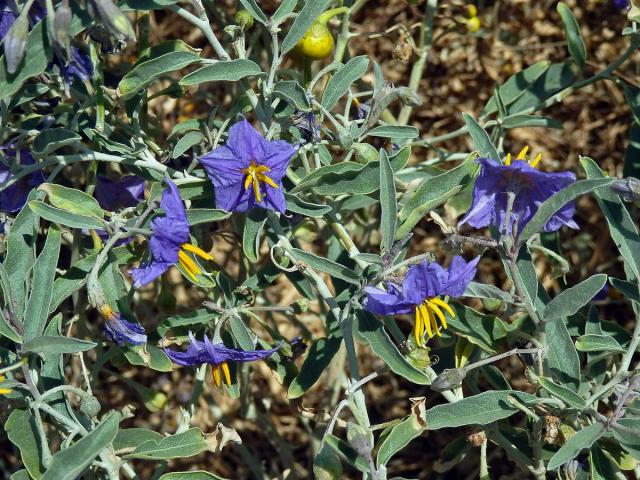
215, 354
420, 294
247, 172
169, 241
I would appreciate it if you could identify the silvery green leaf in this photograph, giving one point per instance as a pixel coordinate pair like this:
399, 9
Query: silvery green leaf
255, 10
483, 290
72, 200
598, 343
565, 394
53, 139
15, 42
144, 73
554, 78
482, 330
191, 475
298, 205
325, 265
481, 140
394, 132
285, 8
582, 440
64, 217
388, 202
57, 344
132, 437
342, 79
22, 432
180, 445
576, 45
317, 360
520, 121
293, 93
252, 234
563, 359
573, 299
186, 142
230, 71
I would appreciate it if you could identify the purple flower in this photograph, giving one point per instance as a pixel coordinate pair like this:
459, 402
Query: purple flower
309, 126
217, 355
247, 172
420, 292
119, 330
124, 193
79, 65
13, 198
169, 241
530, 188
621, 4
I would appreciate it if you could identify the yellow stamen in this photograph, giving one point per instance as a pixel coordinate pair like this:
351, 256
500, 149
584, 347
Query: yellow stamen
216, 375
432, 319
227, 374
507, 161
4, 391
418, 331
424, 312
188, 263
256, 174
106, 311
523, 153
196, 251
536, 160
435, 309
445, 305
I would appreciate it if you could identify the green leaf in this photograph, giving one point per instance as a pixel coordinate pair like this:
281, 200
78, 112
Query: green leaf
187, 141
285, 8
180, 445
565, 394
194, 317
394, 132
347, 453
483, 290
376, 336
44, 272
582, 440
52, 344
387, 202
482, 409
52, 139
303, 21
564, 362
196, 216
482, 330
254, 10
33, 63
341, 81
63, 217
191, 475
317, 360
72, 280
399, 436
297, 205
553, 79
132, 437
327, 266
573, 299
230, 71
622, 225
598, 343
70, 463
291, 92
481, 140
434, 192
557, 201
22, 475
72, 200
52, 372
350, 177
23, 433
516, 85
520, 121
21, 255
158, 360
146, 72
577, 49
252, 234
629, 290
632, 153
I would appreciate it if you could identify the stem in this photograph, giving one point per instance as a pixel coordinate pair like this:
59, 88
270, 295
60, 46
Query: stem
202, 22
424, 46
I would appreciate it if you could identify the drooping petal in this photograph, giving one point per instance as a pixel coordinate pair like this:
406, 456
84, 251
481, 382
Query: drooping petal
172, 202
460, 273
122, 332
114, 195
168, 235
386, 303
7, 19
147, 273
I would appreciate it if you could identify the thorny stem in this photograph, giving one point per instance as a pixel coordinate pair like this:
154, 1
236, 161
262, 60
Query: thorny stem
424, 46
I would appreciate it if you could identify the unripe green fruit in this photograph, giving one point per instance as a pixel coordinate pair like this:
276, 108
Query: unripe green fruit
244, 19
317, 42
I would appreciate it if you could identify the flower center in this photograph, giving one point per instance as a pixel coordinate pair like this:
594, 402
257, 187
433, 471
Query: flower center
187, 263
426, 314
217, 377
256, 174
523, 156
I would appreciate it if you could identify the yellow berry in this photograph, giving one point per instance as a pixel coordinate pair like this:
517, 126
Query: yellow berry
317, 42
473, 24
472, 11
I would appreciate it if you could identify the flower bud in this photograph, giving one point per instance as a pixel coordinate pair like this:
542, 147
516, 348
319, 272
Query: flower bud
448, 379
62, 28
476, 439
244, 19
15, 42
627, 188
89, 405
491, 304
111, 17
154, 401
